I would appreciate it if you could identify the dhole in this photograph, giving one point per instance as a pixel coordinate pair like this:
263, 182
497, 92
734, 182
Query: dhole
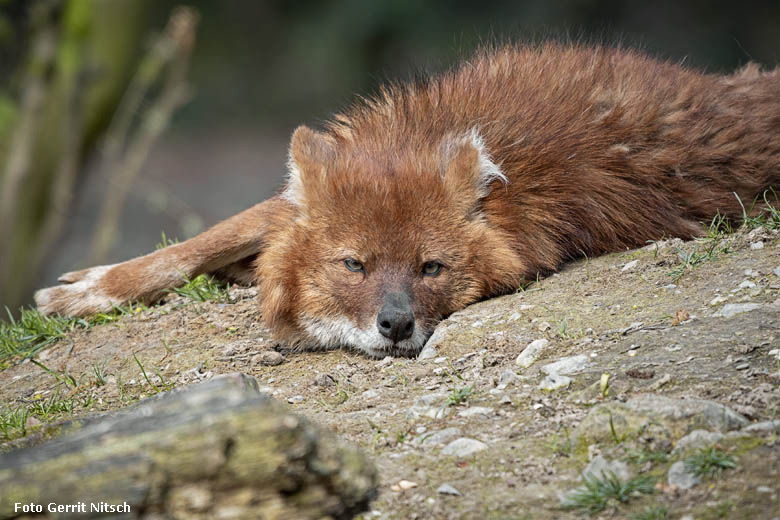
458, 187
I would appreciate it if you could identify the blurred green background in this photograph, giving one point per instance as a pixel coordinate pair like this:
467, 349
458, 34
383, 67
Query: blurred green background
93, 100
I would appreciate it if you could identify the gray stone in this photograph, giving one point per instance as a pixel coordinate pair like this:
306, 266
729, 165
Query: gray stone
567, 365
698, 439
507, 377
446, 489
463, 447
600, 467
732, 309
531, 353
700, 412
554, 381
428, 351
475, 410
776, 271
764, 426
431, 405
630, 265
440, 436
324, 381
680, 477
268, 358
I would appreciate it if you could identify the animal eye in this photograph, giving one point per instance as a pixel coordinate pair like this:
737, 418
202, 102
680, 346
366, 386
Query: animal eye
354, 266
431, 268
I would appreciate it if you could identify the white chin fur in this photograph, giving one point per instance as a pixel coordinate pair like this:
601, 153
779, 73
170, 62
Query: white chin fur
342, 332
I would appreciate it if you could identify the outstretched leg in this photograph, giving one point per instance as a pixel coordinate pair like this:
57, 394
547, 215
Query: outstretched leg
147, 278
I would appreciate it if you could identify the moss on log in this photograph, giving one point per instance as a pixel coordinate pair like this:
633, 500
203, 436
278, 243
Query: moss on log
220, 449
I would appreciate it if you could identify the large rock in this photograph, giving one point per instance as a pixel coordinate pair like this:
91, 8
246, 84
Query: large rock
220, 449
665, 417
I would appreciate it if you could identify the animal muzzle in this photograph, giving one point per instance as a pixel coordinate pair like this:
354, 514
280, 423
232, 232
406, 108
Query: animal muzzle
395, 320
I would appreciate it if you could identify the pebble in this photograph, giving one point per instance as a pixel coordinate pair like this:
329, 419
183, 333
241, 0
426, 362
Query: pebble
732, 309
600, 467
504, 400
554, 381
757, 245
567, 365
296, 399
428, 351
475, 410
269, 358
386, 362
698, 439
324, 381
507, 377
679, 476
441, 436
764, 489
431, 405
776, 271
463, 447
440, 359
370, 394
717, 300
747, 284
630, 265
447, 489
531, 353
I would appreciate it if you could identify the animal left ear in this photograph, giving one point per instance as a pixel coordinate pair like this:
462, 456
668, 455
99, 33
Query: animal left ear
468, 169
310, 154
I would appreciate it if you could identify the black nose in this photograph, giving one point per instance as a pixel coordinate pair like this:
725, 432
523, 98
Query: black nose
396, 319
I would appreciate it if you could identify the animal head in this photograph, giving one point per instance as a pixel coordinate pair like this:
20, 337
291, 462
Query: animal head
383, 244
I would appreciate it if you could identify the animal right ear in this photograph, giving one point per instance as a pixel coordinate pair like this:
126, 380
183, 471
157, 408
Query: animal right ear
310, 153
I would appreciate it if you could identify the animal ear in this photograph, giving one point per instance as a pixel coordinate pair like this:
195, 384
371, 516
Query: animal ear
468, 169
310, 153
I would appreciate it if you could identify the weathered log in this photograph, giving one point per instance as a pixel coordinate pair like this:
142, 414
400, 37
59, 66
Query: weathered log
220, 449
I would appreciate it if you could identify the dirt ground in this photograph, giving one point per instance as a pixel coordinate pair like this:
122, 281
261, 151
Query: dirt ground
697, 321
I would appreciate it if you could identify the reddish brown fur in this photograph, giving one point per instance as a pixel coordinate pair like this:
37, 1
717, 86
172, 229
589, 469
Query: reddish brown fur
603, 149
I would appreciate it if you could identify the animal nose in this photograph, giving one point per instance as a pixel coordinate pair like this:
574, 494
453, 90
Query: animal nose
396, 318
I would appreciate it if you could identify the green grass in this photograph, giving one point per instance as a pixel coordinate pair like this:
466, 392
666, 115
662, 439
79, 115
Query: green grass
651, 513
598, 493
768, 216
459, 395
165, 242
204, 288
25, 336
709, 462
14, 420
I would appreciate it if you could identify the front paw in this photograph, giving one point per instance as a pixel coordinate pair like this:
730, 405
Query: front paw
84, 296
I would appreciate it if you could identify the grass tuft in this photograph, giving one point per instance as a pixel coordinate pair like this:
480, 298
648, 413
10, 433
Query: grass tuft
709, 462
459, 395
598, 493
204, 288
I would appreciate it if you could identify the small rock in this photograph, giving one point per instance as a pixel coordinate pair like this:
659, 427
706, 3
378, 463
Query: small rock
463, 447
370, 394
406, 484
661, 382
554, 381
698, 439
446, 489
324, 381
504, 400
763, 426
507, 378
428, 351
269, 358
431, 405
386, 362
600, 467
439, 360
544, 326
296, 399
717, 300
776, 271
764, 489
441, 436
567, 365
228, 351
475, 410
732, 309
757, 245
630, 265
678, 476
747, 284
531, 353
